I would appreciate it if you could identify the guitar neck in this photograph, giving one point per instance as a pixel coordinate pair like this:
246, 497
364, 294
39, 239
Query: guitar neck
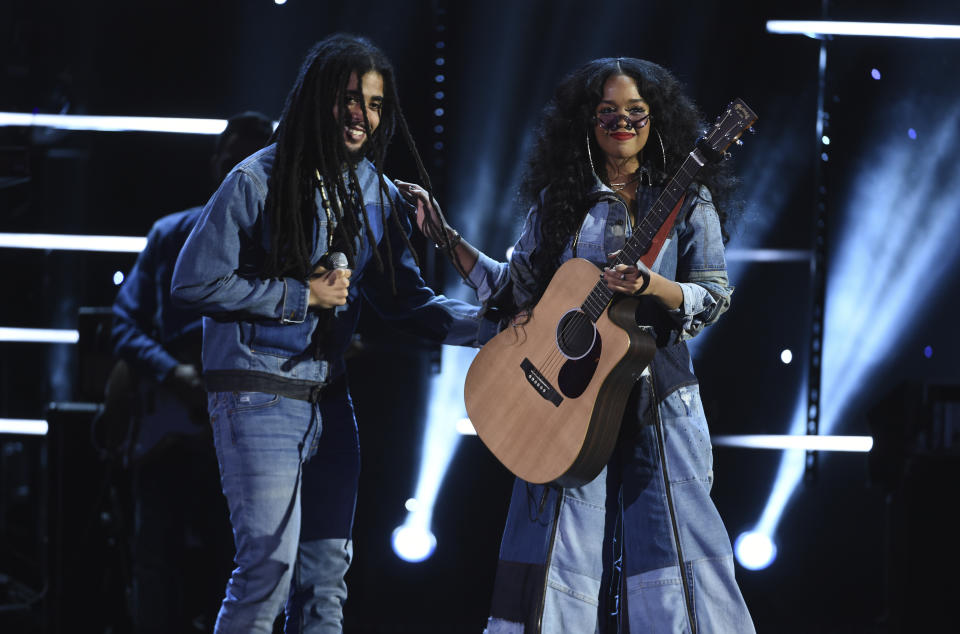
645, 231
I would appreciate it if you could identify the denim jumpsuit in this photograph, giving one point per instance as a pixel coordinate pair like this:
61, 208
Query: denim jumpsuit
607, 556
282, 418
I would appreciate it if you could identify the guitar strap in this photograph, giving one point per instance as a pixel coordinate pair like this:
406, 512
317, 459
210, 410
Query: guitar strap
660, 238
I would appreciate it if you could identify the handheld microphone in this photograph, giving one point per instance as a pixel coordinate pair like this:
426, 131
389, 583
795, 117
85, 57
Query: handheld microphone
332, 261
335, 260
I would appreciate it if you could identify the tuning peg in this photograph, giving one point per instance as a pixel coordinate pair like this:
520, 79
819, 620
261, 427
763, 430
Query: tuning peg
739, 141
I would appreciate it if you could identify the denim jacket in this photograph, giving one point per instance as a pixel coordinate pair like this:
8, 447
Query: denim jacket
259, 331
147, 327
693, 256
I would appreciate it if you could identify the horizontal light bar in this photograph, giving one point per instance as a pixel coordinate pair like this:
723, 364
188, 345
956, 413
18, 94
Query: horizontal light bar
23, 426
768, 255
814, 28
65, 242
114, 124
39, 335
801, 442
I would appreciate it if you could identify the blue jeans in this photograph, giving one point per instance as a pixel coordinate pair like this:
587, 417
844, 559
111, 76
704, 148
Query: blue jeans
603, 557
289, 471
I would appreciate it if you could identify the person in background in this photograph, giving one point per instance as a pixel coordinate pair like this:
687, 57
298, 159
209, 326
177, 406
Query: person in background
181, 543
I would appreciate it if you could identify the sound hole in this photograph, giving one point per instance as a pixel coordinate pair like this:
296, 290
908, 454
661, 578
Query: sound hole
575, 334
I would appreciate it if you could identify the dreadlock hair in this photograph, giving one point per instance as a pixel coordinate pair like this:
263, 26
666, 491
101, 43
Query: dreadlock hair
558, 170
310, 143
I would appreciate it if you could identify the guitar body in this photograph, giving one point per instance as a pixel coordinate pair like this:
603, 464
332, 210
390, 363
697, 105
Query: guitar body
547, 397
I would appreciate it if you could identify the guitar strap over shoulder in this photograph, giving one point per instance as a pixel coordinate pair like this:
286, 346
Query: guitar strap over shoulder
660, 238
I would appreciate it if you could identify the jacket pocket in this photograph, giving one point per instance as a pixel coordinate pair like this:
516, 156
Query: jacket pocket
281, 340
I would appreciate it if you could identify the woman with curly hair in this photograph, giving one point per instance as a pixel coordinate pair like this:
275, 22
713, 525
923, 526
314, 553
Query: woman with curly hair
641, 548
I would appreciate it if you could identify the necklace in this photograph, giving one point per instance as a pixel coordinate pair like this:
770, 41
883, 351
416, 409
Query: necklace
618, 186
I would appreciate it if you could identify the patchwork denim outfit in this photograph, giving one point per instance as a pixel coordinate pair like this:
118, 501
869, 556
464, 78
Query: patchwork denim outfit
604, 557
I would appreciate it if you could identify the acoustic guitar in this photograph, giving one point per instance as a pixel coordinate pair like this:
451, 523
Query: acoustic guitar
547, 396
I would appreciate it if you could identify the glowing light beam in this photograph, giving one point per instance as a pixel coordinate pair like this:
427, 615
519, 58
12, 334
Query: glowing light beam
917, 243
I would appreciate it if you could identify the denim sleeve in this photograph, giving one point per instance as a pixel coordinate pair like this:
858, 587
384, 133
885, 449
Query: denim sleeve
208, 276
134, 312
701, 268
490, 276
415, 308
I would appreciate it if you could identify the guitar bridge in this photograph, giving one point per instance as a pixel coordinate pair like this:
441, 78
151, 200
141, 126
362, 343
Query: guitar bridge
540, 383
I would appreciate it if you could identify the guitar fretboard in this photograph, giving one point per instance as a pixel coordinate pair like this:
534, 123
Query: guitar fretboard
645, 231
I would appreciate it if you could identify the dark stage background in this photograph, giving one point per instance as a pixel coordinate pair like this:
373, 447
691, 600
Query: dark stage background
866, 547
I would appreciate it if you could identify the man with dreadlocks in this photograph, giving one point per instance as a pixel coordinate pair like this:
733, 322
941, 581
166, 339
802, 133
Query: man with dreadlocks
279, 312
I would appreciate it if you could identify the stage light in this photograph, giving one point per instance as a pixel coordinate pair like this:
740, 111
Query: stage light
113, 124
439, 61
411, 505
118, 278
29, 427
39, 335
439, 79
767, 255
825, 140
928, 352
912, 223
813, 28
912, 134
278, 2
63, 242
465, 427
786, 356
754, 550
875, 74
413, 543
797, 442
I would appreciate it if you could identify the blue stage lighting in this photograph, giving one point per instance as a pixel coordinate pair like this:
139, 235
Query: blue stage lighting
928, 352
912, 223
754, 550
413, 543
39, 335
65, 242
875, 74
786, 356
29, 427
118, 278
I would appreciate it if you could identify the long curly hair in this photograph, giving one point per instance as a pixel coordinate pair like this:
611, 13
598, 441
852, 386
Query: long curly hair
558, 176
309, 140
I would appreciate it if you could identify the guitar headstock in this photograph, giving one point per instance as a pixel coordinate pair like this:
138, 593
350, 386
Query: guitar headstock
730, 125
